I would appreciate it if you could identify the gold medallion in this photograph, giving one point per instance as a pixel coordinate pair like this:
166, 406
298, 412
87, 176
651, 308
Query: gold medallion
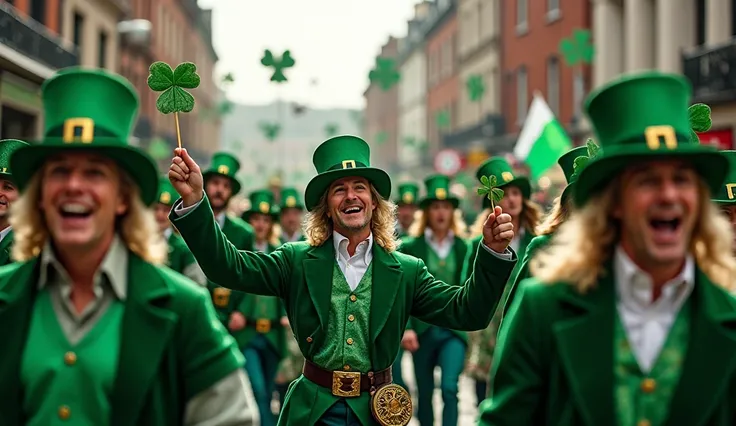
391, 405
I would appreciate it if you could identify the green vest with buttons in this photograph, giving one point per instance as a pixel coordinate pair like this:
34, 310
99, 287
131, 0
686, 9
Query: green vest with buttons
347, 343
69, 384
644, 399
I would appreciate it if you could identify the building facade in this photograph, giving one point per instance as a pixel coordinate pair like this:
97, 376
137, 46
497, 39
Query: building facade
91, 26
31, 50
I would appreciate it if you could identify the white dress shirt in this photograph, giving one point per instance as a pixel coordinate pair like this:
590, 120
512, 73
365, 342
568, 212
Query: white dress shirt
355, 266
648, 323
441, 248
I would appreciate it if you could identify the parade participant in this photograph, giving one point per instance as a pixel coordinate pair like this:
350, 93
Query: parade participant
8, 195
348, 293
264, 340
407, 207
436, 238
628, 319
291, 209
102, 335
725, 197
525, 217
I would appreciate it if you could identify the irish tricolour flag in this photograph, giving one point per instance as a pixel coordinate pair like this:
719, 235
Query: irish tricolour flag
542, 140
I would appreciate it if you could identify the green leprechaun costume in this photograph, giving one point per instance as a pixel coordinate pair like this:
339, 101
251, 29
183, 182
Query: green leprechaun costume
406, 201
291, 202
180, 258
348, 330
725, 197
148, 350
7, 148
567, 356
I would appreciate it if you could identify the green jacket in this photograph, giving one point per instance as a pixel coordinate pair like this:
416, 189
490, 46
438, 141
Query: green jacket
179, 255
554, 360
521, 272
5, 246
302, 276
172, 347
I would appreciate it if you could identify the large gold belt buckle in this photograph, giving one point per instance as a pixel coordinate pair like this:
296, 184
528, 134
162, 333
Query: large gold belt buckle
221, 296
391, 405
346, 384
263, 326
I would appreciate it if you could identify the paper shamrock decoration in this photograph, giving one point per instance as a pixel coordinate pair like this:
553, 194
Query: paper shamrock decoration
172, 84
476, 87
270, 130
577, 49
580, 162
700, 121
488, 188
278, 65
159, 149
331, 129
442, 119
384, 73
381, 137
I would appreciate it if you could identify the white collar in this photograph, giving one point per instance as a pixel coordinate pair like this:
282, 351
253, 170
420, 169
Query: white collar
365, 248
429, 236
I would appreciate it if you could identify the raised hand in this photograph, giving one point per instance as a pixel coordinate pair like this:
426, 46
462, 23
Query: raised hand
186, 177
498, 231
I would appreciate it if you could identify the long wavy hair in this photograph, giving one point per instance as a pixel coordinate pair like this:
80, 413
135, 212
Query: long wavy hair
559, 213
580, 248
137, 227
318, 226
421, 222
530, 214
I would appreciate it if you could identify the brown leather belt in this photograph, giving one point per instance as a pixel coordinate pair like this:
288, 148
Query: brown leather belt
262, 326
346, 384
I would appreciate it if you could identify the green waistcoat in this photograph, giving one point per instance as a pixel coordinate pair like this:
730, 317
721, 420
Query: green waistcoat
5, 246
347, 345
646, 397
69, 384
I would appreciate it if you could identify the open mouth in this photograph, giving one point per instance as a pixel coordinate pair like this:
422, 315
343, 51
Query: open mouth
665, 230
75, 211
352, 210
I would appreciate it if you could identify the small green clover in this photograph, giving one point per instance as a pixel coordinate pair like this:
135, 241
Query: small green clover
228, 78
442, 119
172, 84
700, 121
270, 130
385, 73
331, 129
278, 65
476, 87
488, 188
577, 49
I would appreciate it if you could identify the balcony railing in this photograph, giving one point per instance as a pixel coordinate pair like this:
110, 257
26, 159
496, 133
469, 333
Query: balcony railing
33, 40
712, 73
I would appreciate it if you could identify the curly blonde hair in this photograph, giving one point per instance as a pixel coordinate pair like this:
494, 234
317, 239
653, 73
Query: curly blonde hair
318, 226
137, 227
530, 214
582, 245
420, 223
551, 222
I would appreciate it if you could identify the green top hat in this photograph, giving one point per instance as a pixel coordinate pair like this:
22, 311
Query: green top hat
726, 193
227, 165
261, 201
290, 199
408, 193
499, 167
166, 192
567, 164
339, 157
641, 117
7, 147
94, 110
438, 189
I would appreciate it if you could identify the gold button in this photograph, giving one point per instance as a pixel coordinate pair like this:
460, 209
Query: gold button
309, 339
64, 412
648, 385
351, 317
70, 358
346, 367
350, 340
644, 422
353, 298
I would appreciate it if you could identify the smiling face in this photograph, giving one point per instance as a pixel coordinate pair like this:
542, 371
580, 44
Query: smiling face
350, 205
8, 194
81, 198
219, 189
658, 208
512, 201
261, 224
439, 215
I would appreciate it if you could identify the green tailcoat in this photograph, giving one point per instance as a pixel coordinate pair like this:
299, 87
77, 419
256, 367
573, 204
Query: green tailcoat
179, 255
302, 276
5, 246
522, 272
169, 351
555, 356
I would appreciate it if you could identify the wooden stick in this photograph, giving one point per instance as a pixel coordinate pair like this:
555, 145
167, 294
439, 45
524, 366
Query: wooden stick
178, 131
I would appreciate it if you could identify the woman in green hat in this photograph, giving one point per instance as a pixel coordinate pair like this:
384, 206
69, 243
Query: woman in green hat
8, 195
628, 317
406, 203
290, 215
725, 197
102, 333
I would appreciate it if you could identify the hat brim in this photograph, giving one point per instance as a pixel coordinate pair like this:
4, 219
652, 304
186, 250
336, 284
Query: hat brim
248, 213
235, 183
567, 192
427, 201
295, 206
28, 160
521, 182
319, 184
709, 163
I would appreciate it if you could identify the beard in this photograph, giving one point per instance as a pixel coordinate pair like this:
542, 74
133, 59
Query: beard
354, 225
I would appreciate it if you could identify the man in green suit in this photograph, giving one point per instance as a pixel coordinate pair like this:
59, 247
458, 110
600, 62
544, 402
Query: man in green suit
8, 195
726, 196
628, 319
290, 217
97, 332
406, 203
348, 293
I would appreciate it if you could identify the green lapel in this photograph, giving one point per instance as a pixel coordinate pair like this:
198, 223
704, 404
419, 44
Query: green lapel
147, 328
318, 268
420, 248
5, 246
384, 288
709, 363
585, 343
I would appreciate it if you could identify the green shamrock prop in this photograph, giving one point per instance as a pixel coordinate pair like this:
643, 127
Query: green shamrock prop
577, 49
488, 188
384, 74
442, 119
159, 149
476, 87
278, 65
331, 130
270, 130
381, 137
171, 84
700, 121
580, 162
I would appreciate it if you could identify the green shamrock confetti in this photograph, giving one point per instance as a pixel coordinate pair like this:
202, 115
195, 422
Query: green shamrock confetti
577, 49
580, 162
488, 188
159, 149
476, 87
228, 78
331, 129
225, 107
270, 130
278, 65
700, 121
381, 137
409, 141
442, 119
384, 73
171, 84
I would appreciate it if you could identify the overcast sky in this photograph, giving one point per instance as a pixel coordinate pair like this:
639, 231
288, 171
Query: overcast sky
334, 43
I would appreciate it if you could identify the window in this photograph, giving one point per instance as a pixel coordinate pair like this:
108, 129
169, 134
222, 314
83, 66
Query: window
553, 85
521, 95
553, 10
521, 17
78, 29
102, 50
38, 11
578, 93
